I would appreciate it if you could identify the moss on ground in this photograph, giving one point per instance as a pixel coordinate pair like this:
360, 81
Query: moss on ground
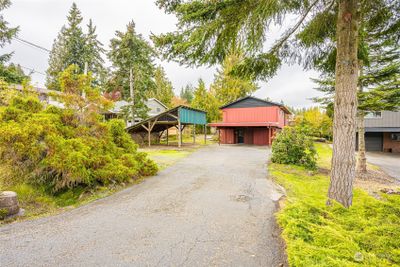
367, 234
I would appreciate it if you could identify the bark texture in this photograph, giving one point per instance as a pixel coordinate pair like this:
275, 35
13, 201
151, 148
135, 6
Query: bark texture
345, 105
361, 160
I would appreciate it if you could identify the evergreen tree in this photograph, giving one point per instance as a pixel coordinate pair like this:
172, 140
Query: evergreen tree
207, 31
73, 47
187, 93
68, 49
6, 32
93, 55
163, 89
227, 87
204, 99
129, 51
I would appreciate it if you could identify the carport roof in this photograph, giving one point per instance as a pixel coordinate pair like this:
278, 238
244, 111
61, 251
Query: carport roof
184, 114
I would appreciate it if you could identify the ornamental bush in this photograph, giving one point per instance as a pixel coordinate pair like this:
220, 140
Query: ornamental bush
62, 148
291, 146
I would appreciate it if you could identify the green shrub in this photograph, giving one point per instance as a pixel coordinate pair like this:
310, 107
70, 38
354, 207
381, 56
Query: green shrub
66, 148
293, 147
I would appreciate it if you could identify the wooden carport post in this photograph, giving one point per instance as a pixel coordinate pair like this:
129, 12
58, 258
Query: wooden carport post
167, 134
194, 133
179, 133
149, 132
205, 134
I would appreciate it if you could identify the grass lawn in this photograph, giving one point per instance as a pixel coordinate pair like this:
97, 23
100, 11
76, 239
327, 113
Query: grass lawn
367, 234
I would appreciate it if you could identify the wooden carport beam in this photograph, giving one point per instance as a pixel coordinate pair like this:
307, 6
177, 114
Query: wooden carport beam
194, 134
205, 134
149, 128
179, 133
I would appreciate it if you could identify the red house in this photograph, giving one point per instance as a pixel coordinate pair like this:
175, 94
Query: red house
250, 120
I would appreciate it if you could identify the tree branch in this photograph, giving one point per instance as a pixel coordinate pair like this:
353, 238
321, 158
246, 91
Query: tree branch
292, 30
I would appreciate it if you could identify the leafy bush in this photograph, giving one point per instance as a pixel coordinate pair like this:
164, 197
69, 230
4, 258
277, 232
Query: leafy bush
69, 147
293, 147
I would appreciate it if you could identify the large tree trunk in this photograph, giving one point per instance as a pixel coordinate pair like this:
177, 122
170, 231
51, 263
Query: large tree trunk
345, 106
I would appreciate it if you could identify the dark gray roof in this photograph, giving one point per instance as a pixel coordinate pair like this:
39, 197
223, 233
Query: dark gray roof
382, 129
251, 101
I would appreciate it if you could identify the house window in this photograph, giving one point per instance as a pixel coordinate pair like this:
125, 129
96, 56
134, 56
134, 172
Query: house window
158, 109
395, 136
373, 115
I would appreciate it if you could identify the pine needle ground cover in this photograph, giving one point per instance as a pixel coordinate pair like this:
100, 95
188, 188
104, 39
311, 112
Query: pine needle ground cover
366, 234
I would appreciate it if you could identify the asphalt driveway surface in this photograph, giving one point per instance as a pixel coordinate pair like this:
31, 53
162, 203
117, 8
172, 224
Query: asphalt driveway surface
389, 162
213, 208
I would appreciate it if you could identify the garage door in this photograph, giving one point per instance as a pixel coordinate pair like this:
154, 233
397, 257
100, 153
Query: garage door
373, 141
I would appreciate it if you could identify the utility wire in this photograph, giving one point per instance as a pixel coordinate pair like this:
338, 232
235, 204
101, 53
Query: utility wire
32, 44
32, 70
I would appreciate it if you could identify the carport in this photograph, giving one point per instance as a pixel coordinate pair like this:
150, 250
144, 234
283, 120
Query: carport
178, 117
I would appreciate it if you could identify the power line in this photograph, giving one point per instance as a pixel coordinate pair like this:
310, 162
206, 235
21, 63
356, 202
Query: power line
32, 70
32, 44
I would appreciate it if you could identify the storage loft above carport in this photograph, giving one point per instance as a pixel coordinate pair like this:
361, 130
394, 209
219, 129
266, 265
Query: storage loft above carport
177, 117
251, 120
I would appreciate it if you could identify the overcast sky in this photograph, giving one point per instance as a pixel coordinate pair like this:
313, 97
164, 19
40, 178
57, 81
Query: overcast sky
41, 20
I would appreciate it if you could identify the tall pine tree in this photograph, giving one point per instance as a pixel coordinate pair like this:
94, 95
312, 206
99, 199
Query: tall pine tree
131, 53
93, 55
73, 47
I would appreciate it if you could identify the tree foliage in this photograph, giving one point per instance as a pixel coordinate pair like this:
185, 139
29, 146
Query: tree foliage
163, 89
64, 148
73, 47
227, 87
6, 32
12, 73
186, 93
379, 55
205, 100
314, 122
129, 51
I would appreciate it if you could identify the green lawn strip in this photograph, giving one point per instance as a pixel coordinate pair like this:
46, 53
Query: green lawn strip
367, 234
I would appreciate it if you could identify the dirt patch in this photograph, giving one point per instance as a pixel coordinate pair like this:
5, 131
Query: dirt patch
375, 181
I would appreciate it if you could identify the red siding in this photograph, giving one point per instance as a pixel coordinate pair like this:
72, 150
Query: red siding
257, 136
261, 136
257, 114
227, 136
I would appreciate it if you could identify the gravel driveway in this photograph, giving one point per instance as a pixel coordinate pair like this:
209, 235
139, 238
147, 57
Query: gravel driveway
213, 208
